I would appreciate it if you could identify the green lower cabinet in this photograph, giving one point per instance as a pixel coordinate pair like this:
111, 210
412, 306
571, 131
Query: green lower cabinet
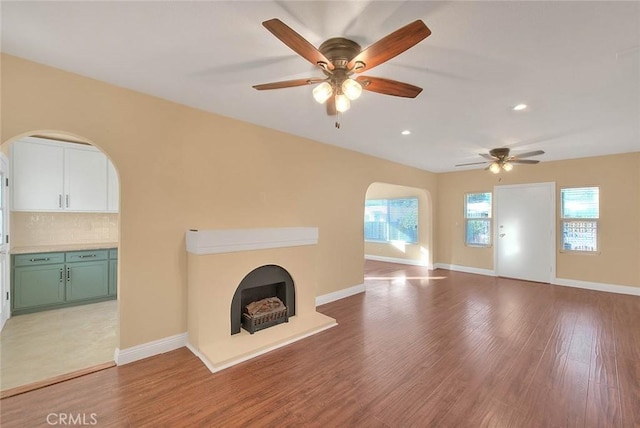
113, 277
38, 286
55, 280
87, 280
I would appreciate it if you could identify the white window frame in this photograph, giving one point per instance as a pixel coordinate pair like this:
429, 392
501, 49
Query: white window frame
417, 199
595, 221
488, 220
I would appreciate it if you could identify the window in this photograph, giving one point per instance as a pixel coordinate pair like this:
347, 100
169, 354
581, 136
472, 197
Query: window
477, 217
580, 214
391, 220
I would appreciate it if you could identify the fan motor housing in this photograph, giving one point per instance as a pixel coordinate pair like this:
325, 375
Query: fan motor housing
499, 153
340, 51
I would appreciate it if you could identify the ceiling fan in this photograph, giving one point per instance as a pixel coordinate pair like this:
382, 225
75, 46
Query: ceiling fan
340, 58
499, 159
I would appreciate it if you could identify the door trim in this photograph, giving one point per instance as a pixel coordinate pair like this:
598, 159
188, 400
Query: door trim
551, 245
5, 305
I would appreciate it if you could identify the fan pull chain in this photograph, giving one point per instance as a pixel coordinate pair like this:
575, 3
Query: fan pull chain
337, 119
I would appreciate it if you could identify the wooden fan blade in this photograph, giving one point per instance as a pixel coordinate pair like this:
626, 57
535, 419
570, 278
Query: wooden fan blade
287, 84
487, 156
529, 154
472, 163
331, 106
298, 43
529, 161
388, 87
390, 46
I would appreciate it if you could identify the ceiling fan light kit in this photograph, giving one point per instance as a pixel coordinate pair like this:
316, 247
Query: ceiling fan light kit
351, 89
497, 166
342, 103
343, 93
340, 58
322, 92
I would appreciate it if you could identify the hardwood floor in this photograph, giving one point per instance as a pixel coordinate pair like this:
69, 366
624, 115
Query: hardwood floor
419, 348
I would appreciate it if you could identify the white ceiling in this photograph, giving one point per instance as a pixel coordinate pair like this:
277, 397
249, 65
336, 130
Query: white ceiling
576, 64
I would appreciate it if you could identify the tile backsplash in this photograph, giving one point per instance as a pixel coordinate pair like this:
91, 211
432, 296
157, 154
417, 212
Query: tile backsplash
36, 228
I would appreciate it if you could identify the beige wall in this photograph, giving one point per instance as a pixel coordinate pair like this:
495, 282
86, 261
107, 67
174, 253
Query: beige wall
618, 261
181, 168
422, 252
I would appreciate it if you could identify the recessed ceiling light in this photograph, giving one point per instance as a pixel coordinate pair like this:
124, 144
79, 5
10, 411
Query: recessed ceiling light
406, 132
520, 107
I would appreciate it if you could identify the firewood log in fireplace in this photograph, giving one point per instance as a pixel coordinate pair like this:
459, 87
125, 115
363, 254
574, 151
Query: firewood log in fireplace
263, 314
264, 306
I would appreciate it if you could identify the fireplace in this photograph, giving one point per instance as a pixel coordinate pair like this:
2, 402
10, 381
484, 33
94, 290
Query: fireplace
262, 283
275, 262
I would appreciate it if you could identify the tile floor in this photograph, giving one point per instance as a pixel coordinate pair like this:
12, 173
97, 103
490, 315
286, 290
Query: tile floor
39, 346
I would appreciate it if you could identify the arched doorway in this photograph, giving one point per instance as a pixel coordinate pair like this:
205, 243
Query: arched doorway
398, 224
67, 325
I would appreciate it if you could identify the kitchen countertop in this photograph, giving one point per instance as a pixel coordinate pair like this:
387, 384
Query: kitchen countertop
50, 248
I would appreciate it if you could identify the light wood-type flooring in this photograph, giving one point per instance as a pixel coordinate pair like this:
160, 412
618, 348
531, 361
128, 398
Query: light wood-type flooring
420, 348
43, 345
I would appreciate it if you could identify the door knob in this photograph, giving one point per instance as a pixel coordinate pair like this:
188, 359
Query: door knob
502, 235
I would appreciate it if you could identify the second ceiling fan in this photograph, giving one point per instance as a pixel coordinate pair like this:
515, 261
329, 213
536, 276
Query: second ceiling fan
340, 58
499, 159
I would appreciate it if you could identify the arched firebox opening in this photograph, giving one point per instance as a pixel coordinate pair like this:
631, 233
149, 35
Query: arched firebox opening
262, 285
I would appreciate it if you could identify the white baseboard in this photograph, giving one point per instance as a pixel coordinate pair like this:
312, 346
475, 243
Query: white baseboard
466, 269
396, 260
3, 321
202, 358
167, 344
340, 294
160, 346
598, 286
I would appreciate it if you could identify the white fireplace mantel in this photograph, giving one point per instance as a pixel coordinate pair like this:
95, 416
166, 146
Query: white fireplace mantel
216, 241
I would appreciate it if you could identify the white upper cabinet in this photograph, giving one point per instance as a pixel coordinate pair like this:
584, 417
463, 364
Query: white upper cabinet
85, 179
56, 176
37, 171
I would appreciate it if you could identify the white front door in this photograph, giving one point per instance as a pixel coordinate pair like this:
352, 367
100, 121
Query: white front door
525, 231
5, 277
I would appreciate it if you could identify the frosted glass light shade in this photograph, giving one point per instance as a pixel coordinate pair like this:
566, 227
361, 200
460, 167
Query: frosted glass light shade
342, 103
322, 92
494, 167
507, 166
351, 89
